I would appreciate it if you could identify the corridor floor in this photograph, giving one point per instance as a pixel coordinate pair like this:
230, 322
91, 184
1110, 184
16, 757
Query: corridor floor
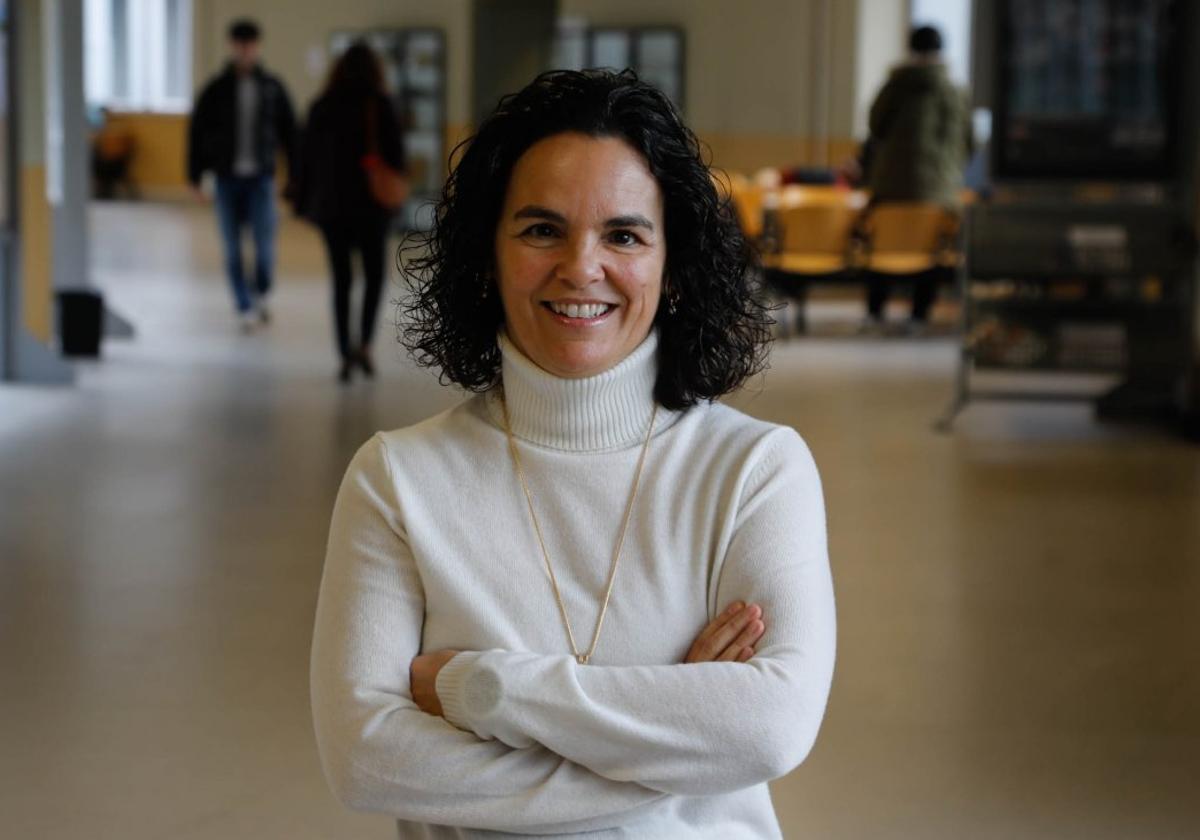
1019, 637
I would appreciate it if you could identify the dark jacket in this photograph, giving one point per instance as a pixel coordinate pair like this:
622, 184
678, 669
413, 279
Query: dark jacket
331, 181
920, 136
212, 132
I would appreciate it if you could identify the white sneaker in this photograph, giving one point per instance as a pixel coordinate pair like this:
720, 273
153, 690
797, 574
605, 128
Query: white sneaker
264, 314
247, 321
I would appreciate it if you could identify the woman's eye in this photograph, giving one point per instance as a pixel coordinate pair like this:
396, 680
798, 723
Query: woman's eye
623, 237
540, 231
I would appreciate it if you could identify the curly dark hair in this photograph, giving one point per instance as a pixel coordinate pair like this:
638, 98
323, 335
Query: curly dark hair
716, 338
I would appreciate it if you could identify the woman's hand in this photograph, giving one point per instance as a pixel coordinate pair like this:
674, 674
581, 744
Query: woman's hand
731, 636
422, 676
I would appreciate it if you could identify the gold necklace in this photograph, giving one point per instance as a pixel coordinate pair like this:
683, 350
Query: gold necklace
581, 658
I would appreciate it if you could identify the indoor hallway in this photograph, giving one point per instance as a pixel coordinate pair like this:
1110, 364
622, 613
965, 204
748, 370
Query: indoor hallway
1019, 644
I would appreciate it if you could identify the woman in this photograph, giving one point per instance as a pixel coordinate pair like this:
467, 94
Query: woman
350, 126
589, 598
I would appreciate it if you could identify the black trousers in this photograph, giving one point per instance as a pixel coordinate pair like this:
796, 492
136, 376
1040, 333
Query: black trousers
368, 236
924, 292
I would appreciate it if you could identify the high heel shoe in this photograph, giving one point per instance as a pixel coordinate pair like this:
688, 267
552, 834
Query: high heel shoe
346, 370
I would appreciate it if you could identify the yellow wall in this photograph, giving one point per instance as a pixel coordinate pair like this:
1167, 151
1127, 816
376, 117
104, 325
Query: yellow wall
37, 293
160, 146
749, 152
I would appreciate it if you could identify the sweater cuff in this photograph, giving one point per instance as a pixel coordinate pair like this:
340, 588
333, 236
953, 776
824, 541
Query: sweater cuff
451, 686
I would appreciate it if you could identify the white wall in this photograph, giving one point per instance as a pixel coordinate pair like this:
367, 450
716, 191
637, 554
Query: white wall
882, 41
953, 20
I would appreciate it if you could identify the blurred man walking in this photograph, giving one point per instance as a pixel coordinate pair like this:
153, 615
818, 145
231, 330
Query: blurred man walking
242, 120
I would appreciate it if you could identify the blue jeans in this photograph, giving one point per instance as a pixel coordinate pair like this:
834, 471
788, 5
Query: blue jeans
249, 201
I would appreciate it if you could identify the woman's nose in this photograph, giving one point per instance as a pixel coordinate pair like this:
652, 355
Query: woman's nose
581, 264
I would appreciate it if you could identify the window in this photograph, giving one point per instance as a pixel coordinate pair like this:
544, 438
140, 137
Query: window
138, 54
656, 53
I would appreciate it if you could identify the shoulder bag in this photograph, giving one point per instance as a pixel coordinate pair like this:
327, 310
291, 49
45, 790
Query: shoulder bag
388, 186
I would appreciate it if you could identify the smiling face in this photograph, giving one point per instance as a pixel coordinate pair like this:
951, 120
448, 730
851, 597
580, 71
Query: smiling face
580, 252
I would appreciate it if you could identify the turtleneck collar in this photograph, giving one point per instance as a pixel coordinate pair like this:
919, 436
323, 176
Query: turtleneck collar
610, 410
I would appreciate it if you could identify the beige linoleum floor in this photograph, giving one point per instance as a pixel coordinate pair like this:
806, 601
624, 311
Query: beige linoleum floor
1019, 602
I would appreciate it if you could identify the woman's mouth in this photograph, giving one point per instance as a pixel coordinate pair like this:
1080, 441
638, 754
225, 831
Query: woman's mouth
578, 313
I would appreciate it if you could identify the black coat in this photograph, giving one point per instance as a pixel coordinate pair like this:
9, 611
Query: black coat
331, 181
212, 131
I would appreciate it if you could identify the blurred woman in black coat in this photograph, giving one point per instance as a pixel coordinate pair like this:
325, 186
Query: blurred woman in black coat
351, 126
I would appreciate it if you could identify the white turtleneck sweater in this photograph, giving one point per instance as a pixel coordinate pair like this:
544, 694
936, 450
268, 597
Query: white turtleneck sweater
432, 547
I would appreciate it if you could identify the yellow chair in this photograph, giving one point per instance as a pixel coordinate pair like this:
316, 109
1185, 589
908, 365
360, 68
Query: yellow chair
908, 237
814, 245
748, 202
814, 239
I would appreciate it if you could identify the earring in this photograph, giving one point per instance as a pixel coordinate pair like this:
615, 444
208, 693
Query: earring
672, 299
485, 283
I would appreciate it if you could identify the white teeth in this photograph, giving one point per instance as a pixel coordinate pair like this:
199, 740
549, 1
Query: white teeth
580, 310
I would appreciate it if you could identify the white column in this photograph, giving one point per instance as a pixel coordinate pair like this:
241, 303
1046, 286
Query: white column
68, 147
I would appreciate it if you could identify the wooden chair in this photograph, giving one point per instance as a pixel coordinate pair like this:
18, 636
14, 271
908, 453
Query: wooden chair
748, 201
815, 245
814, 239
914, 241
905, 238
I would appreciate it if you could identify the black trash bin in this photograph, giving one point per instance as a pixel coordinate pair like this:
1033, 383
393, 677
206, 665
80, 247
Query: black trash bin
80, 322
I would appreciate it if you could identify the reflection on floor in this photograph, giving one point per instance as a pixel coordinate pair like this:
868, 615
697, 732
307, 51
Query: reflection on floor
1019, 640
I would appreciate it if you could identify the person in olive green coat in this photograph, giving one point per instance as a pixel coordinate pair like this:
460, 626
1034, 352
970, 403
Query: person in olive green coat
920, 129
919, 145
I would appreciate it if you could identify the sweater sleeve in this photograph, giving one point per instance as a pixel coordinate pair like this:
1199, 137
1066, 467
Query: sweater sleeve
691, 729
378, 750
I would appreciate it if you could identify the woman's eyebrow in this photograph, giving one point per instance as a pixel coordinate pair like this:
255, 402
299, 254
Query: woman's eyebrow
534, 211
631, 220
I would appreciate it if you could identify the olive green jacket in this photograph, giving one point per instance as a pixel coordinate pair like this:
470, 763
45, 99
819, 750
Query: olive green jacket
921, 137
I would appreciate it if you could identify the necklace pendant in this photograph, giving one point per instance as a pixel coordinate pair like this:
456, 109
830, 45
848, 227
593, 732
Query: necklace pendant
580, 658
